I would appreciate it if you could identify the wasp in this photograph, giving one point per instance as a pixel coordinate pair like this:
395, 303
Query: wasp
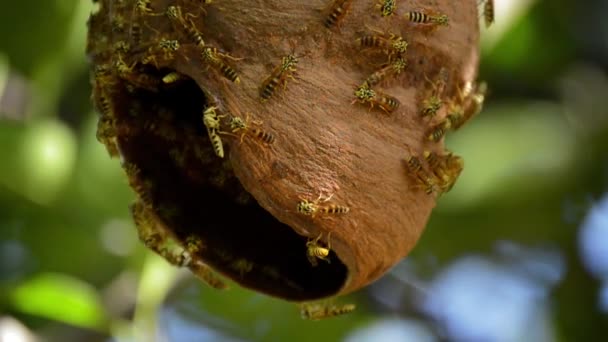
204, 273
469, 105
386, 7
173, 77
388, 103
433, 103
378, 75
475, 105
135, 33
215, 59
143, 6
102, 71
150, 59
393, 45
142, 219
122, 68
488, 12
394, 68
363, 94
310, 208
194, 35
455, 116
103, 102
103, 76
337, 12
106, 134
121, 47
446, 168
454, 166
166, 46
314, 251
439, 130
142, 187
174, 13
127, 73
438, 165
146, 222
279, 75
415, 170
212, 122
399, 65
423, 18
319, 311
238, 124
118, 23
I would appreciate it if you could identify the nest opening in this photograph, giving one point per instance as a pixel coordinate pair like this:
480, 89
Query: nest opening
195, 195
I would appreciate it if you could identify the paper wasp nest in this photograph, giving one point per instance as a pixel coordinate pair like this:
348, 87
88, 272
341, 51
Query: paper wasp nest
249, 129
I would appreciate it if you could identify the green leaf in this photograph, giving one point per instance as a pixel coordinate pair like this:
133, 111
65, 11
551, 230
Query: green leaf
61, 298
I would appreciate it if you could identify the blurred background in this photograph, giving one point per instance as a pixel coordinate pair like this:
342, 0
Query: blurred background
518, 251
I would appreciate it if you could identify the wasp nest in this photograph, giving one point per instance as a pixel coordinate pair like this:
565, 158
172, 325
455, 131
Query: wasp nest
294, 147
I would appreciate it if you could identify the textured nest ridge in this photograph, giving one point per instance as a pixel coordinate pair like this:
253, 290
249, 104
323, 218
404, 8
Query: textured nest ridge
320, 195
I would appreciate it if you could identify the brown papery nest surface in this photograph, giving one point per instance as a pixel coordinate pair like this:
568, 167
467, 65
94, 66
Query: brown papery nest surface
311, 140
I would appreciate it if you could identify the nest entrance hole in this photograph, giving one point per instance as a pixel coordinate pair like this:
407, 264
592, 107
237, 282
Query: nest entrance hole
194, 194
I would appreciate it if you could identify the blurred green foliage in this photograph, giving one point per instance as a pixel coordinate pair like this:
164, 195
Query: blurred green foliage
72, 266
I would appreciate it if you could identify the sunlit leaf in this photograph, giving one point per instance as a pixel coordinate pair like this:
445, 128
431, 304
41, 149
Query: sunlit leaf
62, 298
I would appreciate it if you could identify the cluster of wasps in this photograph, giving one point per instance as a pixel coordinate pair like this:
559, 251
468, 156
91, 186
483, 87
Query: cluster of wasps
182, 22
157, 48
394, 46
133, 52
154, 239
211, 118
459, 109
395, 49
316, 311
316, 250
388, 8
442, 170
122, 73
213, 123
